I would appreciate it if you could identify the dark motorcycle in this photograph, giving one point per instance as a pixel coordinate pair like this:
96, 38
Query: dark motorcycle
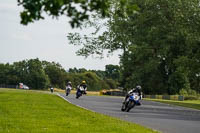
130, 102
80, 92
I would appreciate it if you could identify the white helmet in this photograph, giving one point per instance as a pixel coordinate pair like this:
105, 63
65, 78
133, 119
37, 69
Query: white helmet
138, 87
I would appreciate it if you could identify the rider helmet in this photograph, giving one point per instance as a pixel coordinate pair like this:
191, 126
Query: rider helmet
138, 87
83, 82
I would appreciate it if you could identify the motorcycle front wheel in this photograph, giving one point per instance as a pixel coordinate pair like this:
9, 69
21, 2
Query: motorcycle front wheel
130, 105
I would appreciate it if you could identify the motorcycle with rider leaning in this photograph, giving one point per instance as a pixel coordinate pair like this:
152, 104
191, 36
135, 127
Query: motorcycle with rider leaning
68, 88
81, 89
134, 95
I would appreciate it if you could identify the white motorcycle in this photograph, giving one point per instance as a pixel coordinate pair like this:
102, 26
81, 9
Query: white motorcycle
68, 90
134, 99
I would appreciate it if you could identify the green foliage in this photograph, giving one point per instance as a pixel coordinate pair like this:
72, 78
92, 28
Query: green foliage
98, 41
55, 73
101, 74
75, 70
183, 92
94, 83
37, 77
8, 75
112, 84
112, 71
96, 79
77, 10
160, 41
31, 73
192, 92
189, 94
191, 98
42, 74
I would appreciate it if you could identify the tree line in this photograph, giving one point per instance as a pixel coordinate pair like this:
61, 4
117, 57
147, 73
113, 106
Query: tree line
43, 74
159, 39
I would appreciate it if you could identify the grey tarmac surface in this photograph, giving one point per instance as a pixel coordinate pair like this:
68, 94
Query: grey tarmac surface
158, 116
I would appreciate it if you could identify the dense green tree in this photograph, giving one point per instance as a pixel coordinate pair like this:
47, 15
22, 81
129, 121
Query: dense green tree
93, 81
77, 70
41, 74
73, 70
55, 73
29, 72
160, 43
37, 77
112, 71
21, 69
100, 73
111, 83
165, 36
8, 75
82, 70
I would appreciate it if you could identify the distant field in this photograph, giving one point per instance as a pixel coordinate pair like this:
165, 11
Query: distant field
28, 111
195, 104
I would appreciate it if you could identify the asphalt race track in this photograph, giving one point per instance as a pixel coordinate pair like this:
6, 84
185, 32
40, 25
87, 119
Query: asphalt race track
158, 116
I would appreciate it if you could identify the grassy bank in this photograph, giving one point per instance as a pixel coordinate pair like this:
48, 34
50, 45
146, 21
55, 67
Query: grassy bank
36, 112
195, 104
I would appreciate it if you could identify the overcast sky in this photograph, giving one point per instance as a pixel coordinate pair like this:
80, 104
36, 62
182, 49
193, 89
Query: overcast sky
44, 39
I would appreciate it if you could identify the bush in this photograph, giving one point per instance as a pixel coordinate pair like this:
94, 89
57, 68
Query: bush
93, 81
183, 92
190, 98
112, 84
189, 92
192, 92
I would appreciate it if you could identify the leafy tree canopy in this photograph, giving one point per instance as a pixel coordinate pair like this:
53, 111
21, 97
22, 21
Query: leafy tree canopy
160, 40
77, 10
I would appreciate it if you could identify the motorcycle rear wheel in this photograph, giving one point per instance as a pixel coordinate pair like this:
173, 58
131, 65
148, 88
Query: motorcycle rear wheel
123, 107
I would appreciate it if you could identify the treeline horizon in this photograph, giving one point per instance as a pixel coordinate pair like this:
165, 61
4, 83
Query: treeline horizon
42, 74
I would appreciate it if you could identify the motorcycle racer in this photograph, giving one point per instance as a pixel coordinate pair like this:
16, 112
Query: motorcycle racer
134, 90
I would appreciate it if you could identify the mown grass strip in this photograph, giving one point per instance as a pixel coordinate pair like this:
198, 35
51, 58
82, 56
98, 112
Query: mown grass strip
35, 112
195, 104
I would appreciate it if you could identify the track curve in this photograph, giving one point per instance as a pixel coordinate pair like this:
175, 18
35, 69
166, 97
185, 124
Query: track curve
162, 117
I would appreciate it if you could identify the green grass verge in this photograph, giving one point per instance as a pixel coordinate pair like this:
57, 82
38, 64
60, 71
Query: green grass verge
195, 104
28, 111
